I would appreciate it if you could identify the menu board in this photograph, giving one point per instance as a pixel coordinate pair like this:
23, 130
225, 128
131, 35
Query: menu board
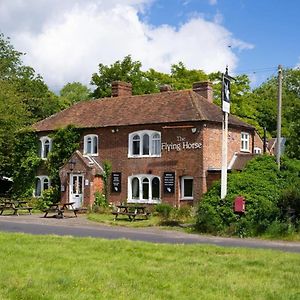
169, 182
116, 182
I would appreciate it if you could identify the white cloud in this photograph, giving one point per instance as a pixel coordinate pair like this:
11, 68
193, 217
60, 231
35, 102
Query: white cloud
66, 40
212, 2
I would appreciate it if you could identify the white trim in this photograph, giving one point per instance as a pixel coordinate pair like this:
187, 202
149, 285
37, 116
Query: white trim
257, 150
152, 140
182, 188
245, 142
141, 177
42, 181
85, 138
43, 140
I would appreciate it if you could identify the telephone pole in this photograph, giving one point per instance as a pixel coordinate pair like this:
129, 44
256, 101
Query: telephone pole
279, 103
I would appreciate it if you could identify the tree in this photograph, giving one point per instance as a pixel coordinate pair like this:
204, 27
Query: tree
75, 92
24, 99
125, 70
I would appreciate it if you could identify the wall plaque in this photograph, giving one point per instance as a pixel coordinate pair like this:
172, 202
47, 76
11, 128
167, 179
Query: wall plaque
169, 182
116, 182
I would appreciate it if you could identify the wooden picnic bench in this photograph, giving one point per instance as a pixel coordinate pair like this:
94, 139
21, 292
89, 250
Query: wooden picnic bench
131, 211
15, 206
60, 209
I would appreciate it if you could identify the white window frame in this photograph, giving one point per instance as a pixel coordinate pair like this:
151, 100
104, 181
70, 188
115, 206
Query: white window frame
141, 177
182, 187
245, 142
152, 140
85, 146
257, 150
42, 181
43, 141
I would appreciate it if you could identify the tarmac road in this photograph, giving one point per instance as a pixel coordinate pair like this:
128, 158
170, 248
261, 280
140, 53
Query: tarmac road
81, 227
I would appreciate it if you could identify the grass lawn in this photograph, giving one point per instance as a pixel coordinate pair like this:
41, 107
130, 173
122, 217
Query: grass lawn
52, 267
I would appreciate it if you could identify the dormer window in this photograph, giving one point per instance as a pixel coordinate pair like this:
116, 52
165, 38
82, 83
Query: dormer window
144, 143
90, 145
46, 145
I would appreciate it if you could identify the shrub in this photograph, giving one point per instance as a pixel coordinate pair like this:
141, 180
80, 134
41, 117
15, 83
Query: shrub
47, 199
163, 210
260, 183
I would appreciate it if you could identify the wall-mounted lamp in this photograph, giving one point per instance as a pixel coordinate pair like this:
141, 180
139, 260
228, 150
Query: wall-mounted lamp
194, 130
72, 164
114, 130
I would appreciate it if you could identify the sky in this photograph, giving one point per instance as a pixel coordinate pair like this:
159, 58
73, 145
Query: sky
65, 40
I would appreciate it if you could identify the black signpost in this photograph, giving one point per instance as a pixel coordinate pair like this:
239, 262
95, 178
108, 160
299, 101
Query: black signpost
116, 182
169, 182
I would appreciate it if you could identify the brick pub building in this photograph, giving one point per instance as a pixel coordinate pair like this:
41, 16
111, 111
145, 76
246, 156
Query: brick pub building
163, 147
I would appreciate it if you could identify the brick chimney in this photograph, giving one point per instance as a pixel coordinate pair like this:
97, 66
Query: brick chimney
204, 89
121, 88
165, 88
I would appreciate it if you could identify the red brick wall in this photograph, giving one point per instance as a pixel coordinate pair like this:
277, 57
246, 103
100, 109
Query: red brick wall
114, 148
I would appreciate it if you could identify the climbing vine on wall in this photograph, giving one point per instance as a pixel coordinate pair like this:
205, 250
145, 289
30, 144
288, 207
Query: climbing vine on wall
25, 163
64, 142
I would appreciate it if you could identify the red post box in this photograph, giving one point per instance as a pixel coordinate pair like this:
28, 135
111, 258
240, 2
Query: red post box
239, 204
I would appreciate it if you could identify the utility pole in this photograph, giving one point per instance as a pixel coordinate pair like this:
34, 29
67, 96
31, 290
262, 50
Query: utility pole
279, 103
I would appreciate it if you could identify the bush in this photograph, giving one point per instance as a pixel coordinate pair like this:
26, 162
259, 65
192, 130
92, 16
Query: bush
163, 210
260, 183
48, 198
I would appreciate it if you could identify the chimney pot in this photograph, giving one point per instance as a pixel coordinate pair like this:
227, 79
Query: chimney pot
121, 88
165, 88
204, 89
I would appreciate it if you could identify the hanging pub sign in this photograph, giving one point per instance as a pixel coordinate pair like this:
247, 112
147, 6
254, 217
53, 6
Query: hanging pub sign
226, 91
169, 182
116, 182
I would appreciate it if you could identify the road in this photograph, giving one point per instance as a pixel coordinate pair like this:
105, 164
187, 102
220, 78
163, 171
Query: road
82, 228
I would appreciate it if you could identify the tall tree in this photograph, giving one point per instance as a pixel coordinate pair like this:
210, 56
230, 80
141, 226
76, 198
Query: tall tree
125, 70
75, 92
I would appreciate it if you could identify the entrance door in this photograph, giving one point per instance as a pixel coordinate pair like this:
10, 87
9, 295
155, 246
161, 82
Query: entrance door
76, 189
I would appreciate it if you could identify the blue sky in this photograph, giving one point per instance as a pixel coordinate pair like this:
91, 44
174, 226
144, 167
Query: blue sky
64, 41
271, 26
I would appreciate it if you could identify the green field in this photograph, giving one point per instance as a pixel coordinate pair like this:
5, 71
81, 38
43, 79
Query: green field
52, 267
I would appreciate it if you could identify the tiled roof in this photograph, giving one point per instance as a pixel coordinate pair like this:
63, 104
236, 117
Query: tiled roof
166, 107
241, 160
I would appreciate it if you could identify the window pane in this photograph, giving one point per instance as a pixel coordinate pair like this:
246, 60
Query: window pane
136, 145
156, 144
95, 145
155, 188
74, 185
146, 144
46, 148
188, 187
145, 188
135, 188
38, 187
80, 179
89, 145
45, 184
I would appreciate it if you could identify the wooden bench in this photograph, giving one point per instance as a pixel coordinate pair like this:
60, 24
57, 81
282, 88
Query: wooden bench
8, 206
131, 211
60, 209
23, 205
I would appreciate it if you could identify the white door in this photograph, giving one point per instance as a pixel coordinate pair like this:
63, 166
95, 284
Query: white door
76, 189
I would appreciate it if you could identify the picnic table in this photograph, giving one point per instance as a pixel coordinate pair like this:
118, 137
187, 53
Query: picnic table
131, 211
14, 206
59, 209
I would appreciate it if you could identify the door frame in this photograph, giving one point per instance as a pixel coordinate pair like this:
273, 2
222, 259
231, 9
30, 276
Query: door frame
72, 175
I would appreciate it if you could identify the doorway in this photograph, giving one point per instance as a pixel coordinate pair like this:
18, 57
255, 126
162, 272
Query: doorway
76, 190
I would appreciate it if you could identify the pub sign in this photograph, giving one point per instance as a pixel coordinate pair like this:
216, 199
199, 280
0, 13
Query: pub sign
116, 182
169, 182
